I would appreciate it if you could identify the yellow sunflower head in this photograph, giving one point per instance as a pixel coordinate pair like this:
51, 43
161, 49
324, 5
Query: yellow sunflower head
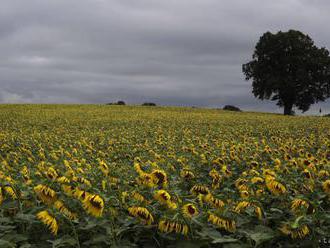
189, 210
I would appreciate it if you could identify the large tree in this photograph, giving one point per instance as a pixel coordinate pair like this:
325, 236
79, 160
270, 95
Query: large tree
288, 68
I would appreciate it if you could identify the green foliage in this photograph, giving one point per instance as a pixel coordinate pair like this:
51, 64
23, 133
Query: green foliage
231, 108
288, 68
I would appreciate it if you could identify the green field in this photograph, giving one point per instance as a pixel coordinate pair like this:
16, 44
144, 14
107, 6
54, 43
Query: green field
115, 176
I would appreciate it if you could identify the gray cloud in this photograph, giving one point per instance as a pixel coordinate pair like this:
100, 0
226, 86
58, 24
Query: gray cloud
186, 52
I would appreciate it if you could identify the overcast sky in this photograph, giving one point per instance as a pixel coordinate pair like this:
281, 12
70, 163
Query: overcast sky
172, 52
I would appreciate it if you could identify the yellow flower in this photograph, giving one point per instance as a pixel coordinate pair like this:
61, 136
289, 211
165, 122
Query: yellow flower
159, 177
166, 226
200, 189
298, 203
228, 225
226, 171
307, 173
48, 220
240, 184
326, 186
189, 210
80, 194
94, 205
295, 233
323, 173
146, 179
82, 180
162, 196
214, 174
187, 174
137, 196
59, 205
10, 191
275, 187
51, 173
255, 180
104, 168
45, 193
142, 213
242, 206
277, 162
68, 190
63, 179
214, 202
244, 194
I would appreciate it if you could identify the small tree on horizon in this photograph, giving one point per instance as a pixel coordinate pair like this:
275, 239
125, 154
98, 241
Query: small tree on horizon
288, 68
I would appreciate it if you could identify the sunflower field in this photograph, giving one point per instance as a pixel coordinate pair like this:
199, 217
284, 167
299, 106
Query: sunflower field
130, 176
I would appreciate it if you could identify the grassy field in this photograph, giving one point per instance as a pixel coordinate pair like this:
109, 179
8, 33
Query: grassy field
116, 176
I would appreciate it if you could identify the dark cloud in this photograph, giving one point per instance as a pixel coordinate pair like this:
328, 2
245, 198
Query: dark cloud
186, 52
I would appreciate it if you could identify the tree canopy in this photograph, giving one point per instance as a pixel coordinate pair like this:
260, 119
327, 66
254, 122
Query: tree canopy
289, 68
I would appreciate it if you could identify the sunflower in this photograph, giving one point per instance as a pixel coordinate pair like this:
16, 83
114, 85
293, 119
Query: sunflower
82, 180
10, 191
242, 206
68, 189
80, 194
59, 205
94, 205
295, 233
45, 193
189, 210
138, 197
187, 174
269, 174
275, 187
200, 189
277, 162
63, 179
244, 194
214, 174
297, 204
165, 198
159, 177
307, 174
142, 213
104, 168
226, 224
323, 173
48, 220
256, 180
241, 184
51, 173
146, 180
162, 196
226, 171
167, 226
326, 186
216, 183
214, 202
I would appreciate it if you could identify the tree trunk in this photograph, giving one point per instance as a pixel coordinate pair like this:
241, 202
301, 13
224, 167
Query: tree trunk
288, 109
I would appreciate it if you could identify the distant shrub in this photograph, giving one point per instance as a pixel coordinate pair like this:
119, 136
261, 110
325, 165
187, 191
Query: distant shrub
149, 104
231, 108
117, 103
